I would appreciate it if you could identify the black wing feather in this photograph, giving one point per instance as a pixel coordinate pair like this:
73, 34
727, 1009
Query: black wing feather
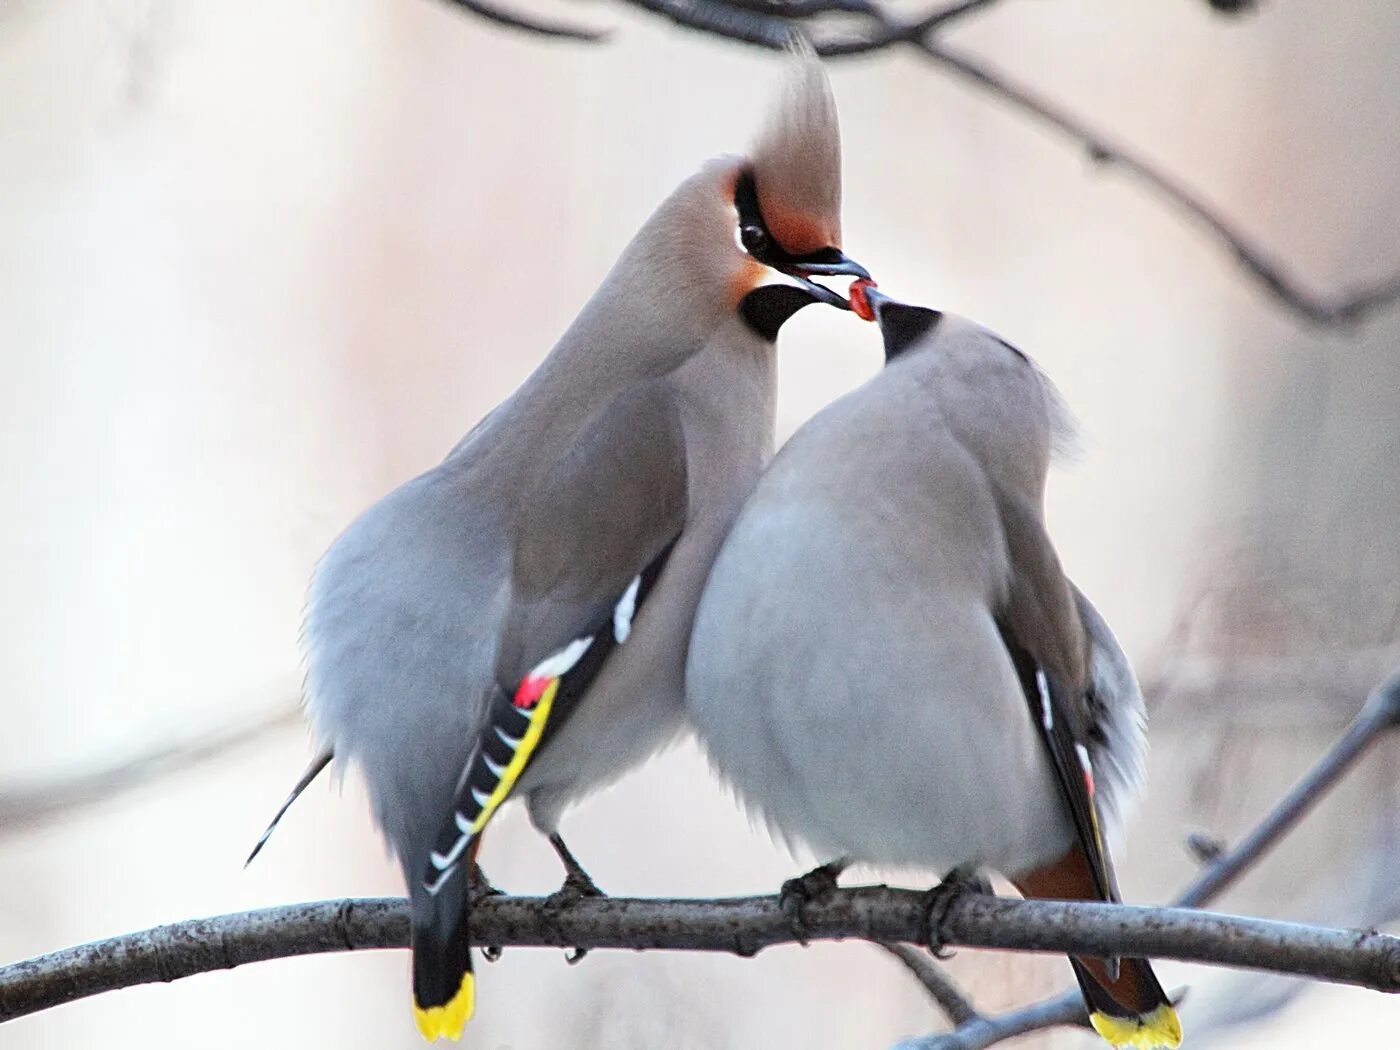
506, 723
1053, 711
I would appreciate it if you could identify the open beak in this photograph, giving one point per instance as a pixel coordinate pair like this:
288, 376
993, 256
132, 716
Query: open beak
829, 262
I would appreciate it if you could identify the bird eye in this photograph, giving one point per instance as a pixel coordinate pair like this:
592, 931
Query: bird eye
754, 238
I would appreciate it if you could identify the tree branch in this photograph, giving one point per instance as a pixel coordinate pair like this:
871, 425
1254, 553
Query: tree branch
741, 925
1066, 1010
771, 23
25, 806
1380, 715
1319, 310
951, 999
528, 23
745, 925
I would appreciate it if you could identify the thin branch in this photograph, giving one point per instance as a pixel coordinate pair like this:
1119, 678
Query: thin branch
739, 925
951, 999
1319, 310
774, 31
1064, 1011
26, 806
1380, 715
797, 10
529, 23
769, 24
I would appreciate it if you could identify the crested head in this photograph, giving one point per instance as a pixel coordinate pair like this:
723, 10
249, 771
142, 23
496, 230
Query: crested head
744, 235
796, 161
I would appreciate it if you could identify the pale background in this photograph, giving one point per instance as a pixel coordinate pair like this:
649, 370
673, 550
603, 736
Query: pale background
260, 262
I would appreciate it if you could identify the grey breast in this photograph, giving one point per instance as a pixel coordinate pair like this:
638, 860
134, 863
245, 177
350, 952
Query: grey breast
846, 673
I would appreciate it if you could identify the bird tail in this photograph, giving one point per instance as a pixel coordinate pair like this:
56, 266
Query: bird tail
1130, 1009
444, 987
1126, 1003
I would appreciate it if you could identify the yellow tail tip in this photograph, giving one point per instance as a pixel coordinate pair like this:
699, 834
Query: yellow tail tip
448, 1020
1151, 1031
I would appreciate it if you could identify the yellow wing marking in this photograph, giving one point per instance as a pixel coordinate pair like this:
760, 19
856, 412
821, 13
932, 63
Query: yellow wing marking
538, 717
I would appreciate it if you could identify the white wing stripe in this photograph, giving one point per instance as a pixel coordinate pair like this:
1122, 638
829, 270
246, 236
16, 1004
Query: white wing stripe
557, 665
441, 862
1047, 713
626, 609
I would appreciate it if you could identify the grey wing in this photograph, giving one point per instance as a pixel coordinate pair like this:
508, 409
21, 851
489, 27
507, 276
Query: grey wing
593, 520
593, 538
403, 622
1041, 629
1117, 716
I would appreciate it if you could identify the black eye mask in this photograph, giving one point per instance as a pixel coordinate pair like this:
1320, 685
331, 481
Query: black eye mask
765, 309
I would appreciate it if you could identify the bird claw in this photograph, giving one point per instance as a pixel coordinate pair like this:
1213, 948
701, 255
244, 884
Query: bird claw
937, 901
814, 887
478, 889
577, 886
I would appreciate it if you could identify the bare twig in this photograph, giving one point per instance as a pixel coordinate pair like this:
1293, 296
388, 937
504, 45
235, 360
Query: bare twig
797, 10
769, 24
951, 999
768, 29
738, 925
1380, 714
1269, 273
26, 806
1066, 1010
529, 23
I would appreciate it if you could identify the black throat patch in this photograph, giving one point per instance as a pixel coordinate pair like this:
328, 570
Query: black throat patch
902, 326
765, 310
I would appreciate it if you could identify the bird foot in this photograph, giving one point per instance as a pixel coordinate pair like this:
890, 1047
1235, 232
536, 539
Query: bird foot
964, 879
814, 887
479, 886
478, 889
577, 886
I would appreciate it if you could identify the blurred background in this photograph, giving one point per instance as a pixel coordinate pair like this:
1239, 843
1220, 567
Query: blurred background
260, 262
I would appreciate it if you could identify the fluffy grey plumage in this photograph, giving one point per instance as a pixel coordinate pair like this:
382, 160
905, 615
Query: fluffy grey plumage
625, 456
848, 672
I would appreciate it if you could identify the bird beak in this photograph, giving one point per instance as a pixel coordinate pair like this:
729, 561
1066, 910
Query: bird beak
829, 262
901, 324
876, 299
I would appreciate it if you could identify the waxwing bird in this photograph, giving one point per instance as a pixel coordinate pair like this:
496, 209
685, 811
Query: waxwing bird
889, 664
513, 623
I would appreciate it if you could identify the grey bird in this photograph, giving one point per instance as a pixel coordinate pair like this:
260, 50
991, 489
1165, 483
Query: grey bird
891, 667
513, 623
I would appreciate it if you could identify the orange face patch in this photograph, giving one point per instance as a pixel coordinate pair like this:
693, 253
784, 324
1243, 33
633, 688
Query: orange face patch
746, 278
797, 234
